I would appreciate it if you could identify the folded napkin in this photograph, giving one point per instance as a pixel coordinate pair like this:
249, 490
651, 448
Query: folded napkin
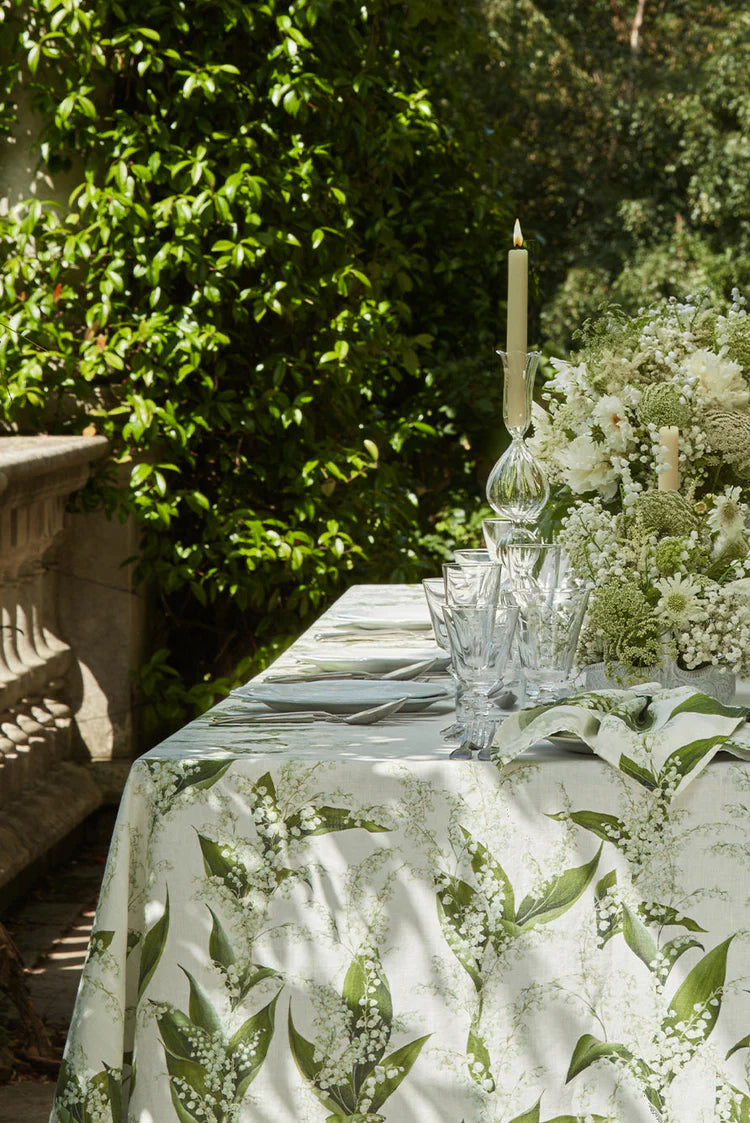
660, 738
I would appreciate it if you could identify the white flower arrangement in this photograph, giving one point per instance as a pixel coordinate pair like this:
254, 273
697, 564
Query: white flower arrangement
674, 364
671, 579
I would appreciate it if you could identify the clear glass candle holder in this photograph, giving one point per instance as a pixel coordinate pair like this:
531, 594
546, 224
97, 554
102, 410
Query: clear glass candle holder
517, 487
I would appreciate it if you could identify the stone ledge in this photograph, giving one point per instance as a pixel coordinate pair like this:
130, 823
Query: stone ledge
43, 815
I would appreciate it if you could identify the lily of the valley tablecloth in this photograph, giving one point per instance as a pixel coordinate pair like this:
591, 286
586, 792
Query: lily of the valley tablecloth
302, 937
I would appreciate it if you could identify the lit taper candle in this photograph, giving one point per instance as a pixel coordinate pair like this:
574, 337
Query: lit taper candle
517, 329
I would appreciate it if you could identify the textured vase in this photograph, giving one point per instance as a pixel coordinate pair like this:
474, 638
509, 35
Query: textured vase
717, 682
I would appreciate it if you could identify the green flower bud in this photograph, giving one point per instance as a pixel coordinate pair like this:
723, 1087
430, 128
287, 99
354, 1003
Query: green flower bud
660, 405
727, 432
666, 512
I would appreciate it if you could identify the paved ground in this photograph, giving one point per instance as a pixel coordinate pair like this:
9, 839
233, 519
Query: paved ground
50, 927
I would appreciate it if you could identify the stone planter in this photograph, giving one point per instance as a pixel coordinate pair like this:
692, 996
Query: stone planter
717, 682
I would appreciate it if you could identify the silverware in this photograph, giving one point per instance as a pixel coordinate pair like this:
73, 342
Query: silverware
301, 717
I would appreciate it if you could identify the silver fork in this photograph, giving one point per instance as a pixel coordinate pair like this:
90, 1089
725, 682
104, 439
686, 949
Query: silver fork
301, 717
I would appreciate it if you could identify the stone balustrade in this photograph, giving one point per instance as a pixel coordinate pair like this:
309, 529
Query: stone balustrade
47, 783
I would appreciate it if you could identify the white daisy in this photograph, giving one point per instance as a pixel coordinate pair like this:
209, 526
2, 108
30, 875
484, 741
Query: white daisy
727, 516
679, 604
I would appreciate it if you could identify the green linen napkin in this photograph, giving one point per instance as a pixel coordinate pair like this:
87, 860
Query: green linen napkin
661, 738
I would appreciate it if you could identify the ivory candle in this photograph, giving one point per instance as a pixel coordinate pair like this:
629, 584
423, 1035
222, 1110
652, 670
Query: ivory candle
669, 439
517, 330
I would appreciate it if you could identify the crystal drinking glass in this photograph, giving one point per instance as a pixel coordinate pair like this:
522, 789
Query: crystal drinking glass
536, 565
480, 639
474, 584
434, 591
472, 556
501, 532
549, 625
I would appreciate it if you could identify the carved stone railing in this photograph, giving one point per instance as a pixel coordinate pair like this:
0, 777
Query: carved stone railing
46, 782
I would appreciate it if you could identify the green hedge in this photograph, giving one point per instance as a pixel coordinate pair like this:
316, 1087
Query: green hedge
276, 289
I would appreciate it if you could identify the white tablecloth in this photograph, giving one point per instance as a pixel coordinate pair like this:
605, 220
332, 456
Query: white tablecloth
330, 923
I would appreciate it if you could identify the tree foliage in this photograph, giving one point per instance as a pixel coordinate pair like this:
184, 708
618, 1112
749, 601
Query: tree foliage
629, 125
275, 289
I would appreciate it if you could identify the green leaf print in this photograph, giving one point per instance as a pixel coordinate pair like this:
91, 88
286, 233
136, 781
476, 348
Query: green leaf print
478, 1057
397, 1066
604, 826
701, 704
366, 989
670, 952
530, 1116
153, 946
688, 757
353, 1077
205, 774
490, 874
533, 1116
557, 896
216, 859
589, 1050
83, 1101
249, 1045
664, 916
209, 1074
743, 1043
325, 820
245, 975
464, 926
643, 775
696, 1005
638, 938
200, 1008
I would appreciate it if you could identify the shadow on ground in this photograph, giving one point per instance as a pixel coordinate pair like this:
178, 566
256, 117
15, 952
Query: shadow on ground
50, 926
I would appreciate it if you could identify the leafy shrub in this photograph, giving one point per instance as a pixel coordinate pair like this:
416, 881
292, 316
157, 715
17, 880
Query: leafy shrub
275, 289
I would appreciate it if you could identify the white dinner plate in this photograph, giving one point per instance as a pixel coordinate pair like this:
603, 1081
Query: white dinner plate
384, 618
378, 662
570, 743
343, 697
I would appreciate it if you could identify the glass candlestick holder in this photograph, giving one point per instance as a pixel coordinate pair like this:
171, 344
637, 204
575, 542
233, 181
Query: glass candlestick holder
517, 487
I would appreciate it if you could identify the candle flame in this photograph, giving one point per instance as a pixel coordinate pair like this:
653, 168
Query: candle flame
517, 235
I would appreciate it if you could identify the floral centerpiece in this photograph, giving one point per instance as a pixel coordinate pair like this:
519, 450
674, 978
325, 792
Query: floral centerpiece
674, 364
671, 582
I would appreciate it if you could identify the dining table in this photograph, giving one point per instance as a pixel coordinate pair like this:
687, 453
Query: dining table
309, 919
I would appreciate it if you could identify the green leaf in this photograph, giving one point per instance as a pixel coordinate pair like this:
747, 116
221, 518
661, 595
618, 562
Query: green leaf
365, 984
204, 774
333, 819
637, 937
200, 1008
642, 775
673, 950
476, 1048
484, 864
153, 946
743, 1043
589, 1049
219, 947
403, 1060
177, 1033
557, 896
256, 1033
701, 704
600, 823
702, 988
303, 1052
529, 1116
687, 757
455, 902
